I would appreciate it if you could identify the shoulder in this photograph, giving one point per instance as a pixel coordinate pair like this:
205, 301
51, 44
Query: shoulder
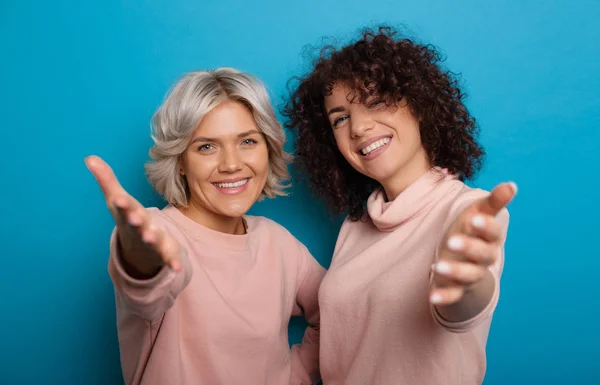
168, 218
264, 226
352, 230
467, 195
360, 223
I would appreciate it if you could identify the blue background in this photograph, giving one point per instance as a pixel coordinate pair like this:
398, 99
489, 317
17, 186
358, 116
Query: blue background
85, 77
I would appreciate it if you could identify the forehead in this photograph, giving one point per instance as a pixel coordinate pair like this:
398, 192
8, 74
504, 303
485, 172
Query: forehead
226, 119
341, 95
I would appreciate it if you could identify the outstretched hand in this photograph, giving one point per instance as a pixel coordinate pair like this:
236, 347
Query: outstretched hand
144, 247
470, 245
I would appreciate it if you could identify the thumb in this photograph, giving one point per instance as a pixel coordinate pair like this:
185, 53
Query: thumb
499, 198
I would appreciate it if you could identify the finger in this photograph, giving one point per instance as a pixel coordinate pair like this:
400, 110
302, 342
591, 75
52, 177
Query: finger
126, 203
150, 235
500, 196
474, 249
463, 272
105, 177
137, 216
128, 211
446, 295
167, 247
485, 227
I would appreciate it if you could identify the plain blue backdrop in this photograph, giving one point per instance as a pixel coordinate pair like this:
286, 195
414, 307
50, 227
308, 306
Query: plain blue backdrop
78, 78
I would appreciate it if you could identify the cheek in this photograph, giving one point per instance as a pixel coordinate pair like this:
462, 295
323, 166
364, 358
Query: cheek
198, 170
341, 141
343, 145
259, 161
414, 137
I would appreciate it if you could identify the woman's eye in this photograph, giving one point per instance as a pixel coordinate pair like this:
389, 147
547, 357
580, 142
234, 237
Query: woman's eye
339, 120
249, 141
375, 103
205, 147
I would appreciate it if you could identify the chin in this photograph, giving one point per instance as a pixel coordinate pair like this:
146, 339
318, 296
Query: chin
234, 209
380, 175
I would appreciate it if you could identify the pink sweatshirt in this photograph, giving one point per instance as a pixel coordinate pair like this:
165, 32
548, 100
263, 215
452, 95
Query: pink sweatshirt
223, 319
377, 325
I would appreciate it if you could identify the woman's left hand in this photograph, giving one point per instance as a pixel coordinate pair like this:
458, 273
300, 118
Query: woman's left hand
471, 244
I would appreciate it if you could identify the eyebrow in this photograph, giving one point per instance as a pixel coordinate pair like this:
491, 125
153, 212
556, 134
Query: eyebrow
240, 135
334, 110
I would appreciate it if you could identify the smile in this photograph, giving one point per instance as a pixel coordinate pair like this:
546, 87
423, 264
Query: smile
230, 187
373, 145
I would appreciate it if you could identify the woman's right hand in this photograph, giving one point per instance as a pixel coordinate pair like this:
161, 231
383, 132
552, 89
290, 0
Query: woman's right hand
144, 247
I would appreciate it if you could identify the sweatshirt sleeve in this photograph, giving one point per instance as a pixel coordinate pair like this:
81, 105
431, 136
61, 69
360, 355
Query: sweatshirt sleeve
305, 356
148, 298
496, 269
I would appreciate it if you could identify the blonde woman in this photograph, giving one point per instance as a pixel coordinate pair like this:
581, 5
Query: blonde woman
204, 292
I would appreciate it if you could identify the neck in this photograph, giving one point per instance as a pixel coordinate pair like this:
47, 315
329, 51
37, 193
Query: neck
406, 175
214, 221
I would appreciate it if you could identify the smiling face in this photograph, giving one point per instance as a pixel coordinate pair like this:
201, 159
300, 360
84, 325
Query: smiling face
381, 142
226, 164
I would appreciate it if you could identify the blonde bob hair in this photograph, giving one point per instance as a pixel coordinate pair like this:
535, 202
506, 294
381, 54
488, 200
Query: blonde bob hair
190, 99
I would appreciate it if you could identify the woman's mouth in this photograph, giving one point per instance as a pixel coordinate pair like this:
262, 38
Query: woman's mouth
232, 187
374, 147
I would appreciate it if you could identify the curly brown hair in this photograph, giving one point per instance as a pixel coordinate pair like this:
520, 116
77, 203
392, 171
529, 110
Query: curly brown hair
392, 68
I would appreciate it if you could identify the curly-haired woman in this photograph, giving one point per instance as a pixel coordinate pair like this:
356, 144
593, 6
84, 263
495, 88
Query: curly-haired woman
385, 137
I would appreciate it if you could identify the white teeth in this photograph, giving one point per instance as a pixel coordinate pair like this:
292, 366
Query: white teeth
374, 146
232, 185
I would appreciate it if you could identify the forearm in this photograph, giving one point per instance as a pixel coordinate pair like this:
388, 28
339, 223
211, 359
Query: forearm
305, 358
148, 298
